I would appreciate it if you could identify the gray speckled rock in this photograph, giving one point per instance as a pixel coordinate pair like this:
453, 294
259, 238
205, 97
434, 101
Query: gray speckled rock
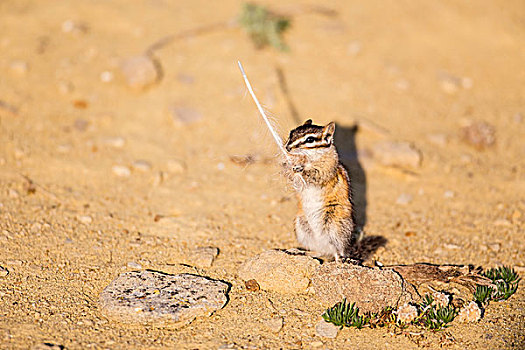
371, 289
156, 298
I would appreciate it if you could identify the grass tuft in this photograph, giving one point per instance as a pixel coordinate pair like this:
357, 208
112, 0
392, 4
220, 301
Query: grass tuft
263, 27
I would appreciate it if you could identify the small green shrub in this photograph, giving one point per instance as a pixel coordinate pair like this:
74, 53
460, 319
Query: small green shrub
264, 27
505, 283
344, 314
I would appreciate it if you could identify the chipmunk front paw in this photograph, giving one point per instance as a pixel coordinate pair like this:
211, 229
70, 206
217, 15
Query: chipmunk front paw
298, 168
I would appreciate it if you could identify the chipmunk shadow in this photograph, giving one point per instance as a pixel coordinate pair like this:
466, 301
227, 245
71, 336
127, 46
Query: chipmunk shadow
345, 143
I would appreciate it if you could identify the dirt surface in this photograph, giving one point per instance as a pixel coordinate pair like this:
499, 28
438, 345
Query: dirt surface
406, 71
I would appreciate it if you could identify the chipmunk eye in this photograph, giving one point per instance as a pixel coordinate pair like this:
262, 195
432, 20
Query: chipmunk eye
310, 139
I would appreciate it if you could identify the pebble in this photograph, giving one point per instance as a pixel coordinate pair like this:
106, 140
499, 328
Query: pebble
81, 124
64, 148
176, 166
3, 271
134, 265
274, 324
151, 297
182, 115
85, 219
142, 165
326, 330
121, 170
449, 194
252, 285
495, 247
19, 67
106, 76
440, 140
402, 154
12, 193
65, 87
140, 71
404, 199
75, 27
117, 142
354, 48
402, 84
450, 85
502, 222
203, 257
478, 134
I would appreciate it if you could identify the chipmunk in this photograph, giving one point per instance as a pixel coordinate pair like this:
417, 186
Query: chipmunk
325, 220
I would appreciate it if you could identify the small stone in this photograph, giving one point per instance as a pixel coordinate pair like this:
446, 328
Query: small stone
478, 134
74, 27
12, 193
85, 219
279, 271
326, 330
470, 313
402, 154
19, 67
203, 257
64, 148
451, 246
274, 324
317, 344
354, 48
495, 247
3, 271
106, 76
159, 299
140, 71
438, 139
121, 170
402, 84
182, 115
404, 199
141, 165
134, 265
81, 124
117, 142
252, 285
502, 222
448, 194
221, 166
467, 83
176, 166
65, 87
48, 346
450, 85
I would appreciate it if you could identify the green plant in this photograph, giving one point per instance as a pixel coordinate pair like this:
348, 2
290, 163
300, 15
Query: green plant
436, 318
482, 294
344, 314
505, 283
263, 27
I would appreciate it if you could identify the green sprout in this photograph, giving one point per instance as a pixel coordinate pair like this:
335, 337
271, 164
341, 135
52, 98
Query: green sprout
436, 318
264, 27
344, 314
505, 283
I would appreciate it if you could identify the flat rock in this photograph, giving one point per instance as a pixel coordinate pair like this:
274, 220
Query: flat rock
400, 154
140, 71
183, 115
478, 134
202, 257
326, 330
371, 289
156, 298
279, 271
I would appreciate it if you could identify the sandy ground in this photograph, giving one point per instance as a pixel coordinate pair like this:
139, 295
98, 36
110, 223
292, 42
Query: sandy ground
404, 71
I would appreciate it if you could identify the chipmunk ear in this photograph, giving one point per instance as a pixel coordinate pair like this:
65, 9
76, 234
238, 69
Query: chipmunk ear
328, 132
308, 122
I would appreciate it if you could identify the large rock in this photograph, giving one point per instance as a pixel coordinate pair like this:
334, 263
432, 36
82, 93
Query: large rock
371, 289
280, 271
156, 298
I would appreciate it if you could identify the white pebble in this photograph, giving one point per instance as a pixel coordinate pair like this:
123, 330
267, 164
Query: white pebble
12, 193
140, 71
117, 142
19, 67
106, 76
449, 194
354, 48
121, 170
85, 219
134, 265
325, 329
220, 166
142, 165
175, 166
404, 198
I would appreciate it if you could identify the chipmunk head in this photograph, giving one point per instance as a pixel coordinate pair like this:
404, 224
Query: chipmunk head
309, 136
